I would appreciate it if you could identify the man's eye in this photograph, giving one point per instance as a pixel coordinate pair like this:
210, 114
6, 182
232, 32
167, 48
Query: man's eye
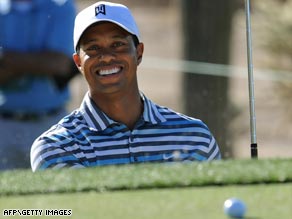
118, 44
93, 48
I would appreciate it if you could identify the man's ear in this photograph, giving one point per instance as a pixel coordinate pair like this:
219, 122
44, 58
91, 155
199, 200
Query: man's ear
77, 60
140, 50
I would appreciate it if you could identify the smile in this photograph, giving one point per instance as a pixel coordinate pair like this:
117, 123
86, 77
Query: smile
105, 72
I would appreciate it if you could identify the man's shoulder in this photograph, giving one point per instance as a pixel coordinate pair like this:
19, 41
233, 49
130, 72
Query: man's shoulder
172, 114
182, 120
72, 120
66, 126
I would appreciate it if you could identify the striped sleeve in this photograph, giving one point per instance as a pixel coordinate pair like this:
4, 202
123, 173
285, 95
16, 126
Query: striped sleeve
47, 152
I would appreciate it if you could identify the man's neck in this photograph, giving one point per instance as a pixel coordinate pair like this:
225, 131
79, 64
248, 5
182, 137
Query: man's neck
123, 109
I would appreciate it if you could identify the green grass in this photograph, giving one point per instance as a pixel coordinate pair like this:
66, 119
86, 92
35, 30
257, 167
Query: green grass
146, 176
271, 201
162, 191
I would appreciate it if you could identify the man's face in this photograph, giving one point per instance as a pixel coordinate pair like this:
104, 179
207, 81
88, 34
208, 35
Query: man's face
108, 59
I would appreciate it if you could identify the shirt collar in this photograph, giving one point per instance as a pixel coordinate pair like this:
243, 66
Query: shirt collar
98, 120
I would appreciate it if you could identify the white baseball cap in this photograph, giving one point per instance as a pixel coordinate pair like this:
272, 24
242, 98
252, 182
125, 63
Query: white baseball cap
104, 11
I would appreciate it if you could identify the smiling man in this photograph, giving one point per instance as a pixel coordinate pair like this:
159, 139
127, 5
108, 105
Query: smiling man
116, 123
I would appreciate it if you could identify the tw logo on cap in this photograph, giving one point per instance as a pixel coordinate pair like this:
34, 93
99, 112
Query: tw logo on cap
100, 10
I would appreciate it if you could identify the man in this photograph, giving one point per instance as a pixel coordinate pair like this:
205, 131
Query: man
116, 123
36, 49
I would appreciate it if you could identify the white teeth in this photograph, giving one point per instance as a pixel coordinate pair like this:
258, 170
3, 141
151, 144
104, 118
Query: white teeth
109, 71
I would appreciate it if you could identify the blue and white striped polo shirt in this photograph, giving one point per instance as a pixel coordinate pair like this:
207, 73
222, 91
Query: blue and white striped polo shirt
88, 137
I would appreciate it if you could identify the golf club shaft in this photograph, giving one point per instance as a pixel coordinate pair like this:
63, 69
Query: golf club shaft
254, 151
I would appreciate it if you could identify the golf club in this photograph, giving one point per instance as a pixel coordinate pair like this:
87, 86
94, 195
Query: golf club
253, 146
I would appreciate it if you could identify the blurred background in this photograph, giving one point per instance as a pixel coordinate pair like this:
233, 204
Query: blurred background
195, 62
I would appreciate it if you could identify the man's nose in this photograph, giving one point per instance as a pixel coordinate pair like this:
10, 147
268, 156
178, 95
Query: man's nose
106, 55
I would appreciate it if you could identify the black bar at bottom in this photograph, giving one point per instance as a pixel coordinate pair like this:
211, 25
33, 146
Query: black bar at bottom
254, 150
